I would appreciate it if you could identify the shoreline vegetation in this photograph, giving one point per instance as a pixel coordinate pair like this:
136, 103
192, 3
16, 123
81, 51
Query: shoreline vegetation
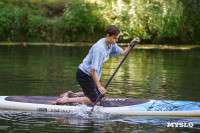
60, 21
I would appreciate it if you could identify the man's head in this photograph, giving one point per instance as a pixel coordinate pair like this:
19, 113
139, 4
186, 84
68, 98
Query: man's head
112, 34
112, 30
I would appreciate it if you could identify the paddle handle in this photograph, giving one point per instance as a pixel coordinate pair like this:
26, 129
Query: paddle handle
114, 74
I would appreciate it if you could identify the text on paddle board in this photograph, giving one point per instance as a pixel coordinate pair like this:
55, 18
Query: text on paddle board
42, 109
115, 99
51, 110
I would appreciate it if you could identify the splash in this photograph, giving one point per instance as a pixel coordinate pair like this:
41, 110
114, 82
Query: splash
98, 113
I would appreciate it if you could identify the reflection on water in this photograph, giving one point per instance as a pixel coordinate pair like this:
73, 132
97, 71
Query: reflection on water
149, 74
156, 74
48, 70
12, 121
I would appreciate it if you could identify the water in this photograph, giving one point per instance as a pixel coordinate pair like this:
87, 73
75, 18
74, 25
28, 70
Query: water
13, 121
149, 73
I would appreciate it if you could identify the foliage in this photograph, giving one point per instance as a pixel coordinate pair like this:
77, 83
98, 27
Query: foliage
154, 21
80, 17
19, 23
160, 21
146, 19
190, 21
164, 21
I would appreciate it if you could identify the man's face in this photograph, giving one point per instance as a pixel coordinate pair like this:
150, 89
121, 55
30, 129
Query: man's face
113, 39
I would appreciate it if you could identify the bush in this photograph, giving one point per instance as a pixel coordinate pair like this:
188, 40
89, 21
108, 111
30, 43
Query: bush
21, 23
80, 17
10, 23
190, 29
36, 26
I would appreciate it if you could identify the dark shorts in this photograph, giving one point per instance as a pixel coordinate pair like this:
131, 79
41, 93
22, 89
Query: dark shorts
88, 85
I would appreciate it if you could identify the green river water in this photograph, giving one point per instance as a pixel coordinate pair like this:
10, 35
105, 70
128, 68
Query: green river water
149, 72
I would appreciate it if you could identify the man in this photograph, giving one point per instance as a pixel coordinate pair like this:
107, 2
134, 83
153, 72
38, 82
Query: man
89, 71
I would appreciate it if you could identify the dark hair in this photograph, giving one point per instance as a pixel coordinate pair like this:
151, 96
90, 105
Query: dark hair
112, 30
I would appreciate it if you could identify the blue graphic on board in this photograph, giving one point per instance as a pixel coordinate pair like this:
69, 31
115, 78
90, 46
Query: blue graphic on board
166, 105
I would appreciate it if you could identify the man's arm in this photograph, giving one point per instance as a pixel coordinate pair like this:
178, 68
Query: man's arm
101, 89
124, 52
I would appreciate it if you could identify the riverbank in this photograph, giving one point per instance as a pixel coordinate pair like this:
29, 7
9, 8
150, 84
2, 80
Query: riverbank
139, 46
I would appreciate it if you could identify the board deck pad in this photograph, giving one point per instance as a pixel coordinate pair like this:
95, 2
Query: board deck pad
107, 102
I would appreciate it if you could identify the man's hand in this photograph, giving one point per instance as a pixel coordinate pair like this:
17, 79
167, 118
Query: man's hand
102, 90
134, 40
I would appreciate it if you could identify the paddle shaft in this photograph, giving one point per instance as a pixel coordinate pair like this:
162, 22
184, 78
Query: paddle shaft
113, 74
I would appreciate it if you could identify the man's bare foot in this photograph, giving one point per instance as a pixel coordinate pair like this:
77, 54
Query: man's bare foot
98, 103
67, 94
61, 101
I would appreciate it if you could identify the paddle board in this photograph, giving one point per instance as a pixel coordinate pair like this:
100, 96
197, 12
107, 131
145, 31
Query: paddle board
122, 106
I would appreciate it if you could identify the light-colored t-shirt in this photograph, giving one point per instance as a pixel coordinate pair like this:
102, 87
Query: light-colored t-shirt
98, 54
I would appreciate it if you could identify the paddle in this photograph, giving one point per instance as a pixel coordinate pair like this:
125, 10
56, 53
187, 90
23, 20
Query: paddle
113, 75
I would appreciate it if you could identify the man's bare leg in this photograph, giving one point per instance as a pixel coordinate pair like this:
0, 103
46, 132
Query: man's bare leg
71, 94
67, 94
79, 100
79, 94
